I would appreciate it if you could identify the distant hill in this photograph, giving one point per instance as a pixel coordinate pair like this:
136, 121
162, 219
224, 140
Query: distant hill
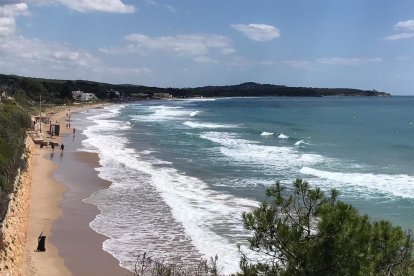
59, 91
256, 89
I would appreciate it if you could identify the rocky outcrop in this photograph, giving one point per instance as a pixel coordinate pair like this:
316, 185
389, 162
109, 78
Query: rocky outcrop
13, 229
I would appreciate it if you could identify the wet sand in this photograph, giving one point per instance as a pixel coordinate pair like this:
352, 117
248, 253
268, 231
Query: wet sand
78, 244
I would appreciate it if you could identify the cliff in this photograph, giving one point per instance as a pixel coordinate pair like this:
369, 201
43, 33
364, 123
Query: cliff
13, 228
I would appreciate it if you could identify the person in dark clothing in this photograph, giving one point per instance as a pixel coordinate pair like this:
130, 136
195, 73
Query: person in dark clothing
62, 147
41, 243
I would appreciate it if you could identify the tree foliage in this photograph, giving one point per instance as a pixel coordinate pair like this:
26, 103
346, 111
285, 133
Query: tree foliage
304, 232
147, 266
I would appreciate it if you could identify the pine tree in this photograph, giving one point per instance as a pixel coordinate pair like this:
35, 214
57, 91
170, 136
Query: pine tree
302, 231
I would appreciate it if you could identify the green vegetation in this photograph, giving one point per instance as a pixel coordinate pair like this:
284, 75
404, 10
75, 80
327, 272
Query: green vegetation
304, 232
13, 121
60, 91
145, 266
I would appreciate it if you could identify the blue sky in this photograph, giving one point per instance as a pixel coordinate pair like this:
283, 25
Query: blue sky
187, 43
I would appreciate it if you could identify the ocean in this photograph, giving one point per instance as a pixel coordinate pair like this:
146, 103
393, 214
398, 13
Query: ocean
183, 171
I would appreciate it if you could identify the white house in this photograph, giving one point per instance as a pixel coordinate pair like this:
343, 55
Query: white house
82, 96
85, 97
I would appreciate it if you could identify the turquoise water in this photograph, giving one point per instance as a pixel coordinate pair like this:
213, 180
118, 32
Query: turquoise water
188, 168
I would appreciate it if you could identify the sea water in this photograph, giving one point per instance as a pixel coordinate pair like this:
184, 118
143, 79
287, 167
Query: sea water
184, 171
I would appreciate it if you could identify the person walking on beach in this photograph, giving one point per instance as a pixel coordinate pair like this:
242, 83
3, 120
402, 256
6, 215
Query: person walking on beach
62, 147
41, 243
53, 146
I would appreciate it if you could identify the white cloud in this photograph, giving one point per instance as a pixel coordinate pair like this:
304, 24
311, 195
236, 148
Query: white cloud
183, 45
112, 6
30, 56
116, 6
405, 25
37, 58
8, 14
20, 55
7, 25
258, 32
400, 36
407, 29
348, 61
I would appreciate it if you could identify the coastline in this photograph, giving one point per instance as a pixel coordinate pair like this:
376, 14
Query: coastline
57, 210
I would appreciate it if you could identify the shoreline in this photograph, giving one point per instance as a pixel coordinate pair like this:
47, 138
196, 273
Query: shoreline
72, 231
52, 203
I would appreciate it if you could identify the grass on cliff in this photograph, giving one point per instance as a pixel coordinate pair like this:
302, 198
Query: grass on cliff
13, 123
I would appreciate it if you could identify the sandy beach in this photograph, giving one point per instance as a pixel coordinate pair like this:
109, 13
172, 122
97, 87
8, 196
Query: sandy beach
60, 181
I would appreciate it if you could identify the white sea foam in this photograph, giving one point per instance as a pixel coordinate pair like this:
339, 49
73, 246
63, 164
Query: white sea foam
110, 112
300, 142
162, 113
242, 182
264, 133
208, 125
282, 136
270, 158
179, 212
194, 113
310, 158
200, 100
399, 185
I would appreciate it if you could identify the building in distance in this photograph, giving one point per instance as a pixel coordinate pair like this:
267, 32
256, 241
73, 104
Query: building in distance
83, 97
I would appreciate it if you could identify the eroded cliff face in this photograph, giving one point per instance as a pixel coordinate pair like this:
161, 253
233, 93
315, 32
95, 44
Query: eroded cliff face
13, 229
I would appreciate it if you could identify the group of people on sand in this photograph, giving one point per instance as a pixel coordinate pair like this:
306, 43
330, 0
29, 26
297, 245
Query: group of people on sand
53, 145
62, 146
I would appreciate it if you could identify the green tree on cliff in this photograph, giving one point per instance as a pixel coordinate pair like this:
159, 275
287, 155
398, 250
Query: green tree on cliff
301, 231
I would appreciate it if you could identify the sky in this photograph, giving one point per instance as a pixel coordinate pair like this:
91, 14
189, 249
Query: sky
365, 44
